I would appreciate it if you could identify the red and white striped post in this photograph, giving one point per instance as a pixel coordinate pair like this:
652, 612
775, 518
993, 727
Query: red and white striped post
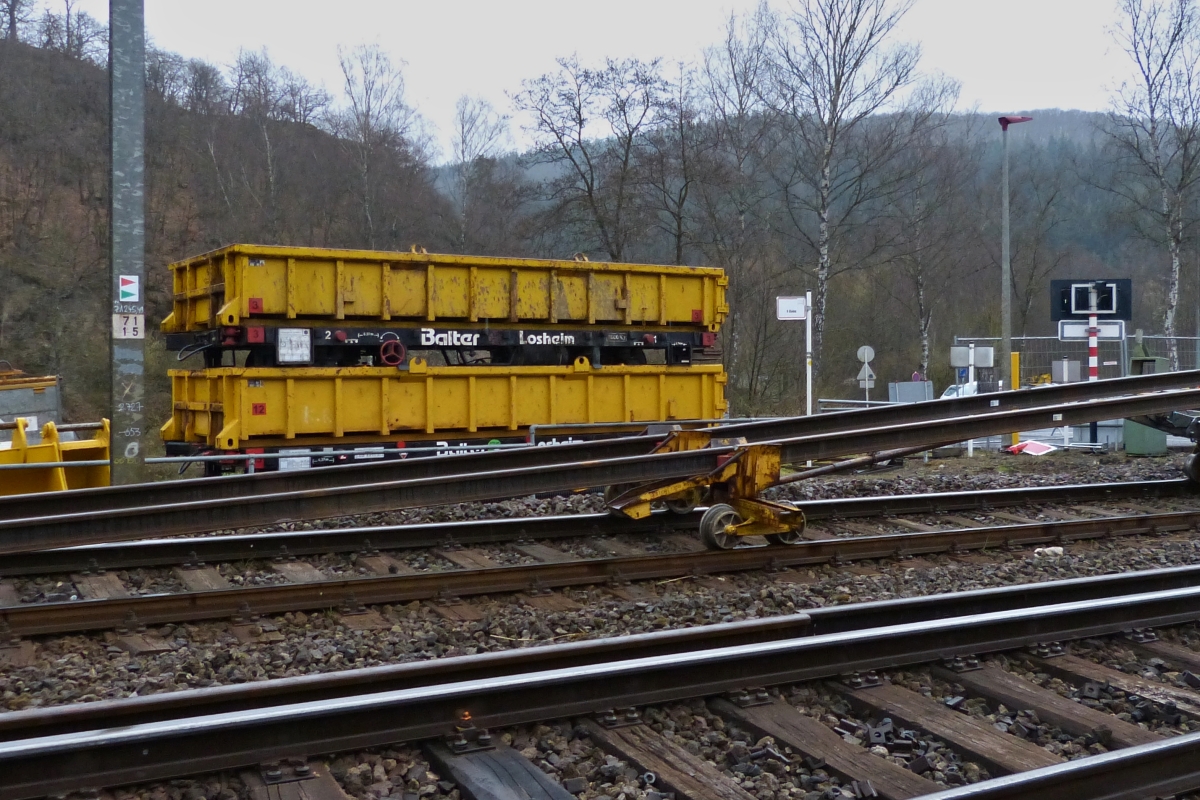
1093, 348
1093, 335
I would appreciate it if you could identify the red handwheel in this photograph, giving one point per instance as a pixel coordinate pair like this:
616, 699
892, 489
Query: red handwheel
392, 352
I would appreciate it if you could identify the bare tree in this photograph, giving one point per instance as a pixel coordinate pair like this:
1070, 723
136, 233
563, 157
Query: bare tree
733, 193
677, 149
205, 91
1154, 128
1039, 215
299, 100
375, 122
590, 126
929, 226
838, 83
166, 75
254, 89
74, 33
14, 14
479, 132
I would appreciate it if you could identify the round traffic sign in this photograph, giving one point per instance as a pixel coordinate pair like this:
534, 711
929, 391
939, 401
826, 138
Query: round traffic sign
865, 353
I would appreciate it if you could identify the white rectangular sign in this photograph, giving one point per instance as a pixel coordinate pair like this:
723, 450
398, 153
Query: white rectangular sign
960, 356
1071, 330
296, 462
129, 326
293, 346
791, 308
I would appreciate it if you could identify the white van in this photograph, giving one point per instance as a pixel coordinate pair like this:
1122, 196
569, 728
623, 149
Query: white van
960, 390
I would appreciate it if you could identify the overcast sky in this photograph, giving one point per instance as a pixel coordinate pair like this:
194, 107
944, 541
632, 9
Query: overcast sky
1009, 55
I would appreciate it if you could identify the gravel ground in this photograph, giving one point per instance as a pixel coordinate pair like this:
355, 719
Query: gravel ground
988, 471
400, 773
87, 667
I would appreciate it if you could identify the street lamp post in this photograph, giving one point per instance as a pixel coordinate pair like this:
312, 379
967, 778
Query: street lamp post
1006, 265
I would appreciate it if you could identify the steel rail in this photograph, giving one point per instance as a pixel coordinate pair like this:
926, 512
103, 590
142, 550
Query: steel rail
229, 488
944, 502
40, 533
108, 613
213, 549
1159, 769
76, 717
56, 764
833, 619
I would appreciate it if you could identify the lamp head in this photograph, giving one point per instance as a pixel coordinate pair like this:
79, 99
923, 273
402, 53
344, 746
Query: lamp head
1012, 120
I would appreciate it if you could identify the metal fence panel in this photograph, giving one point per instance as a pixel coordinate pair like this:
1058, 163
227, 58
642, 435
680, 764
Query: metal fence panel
1038, 352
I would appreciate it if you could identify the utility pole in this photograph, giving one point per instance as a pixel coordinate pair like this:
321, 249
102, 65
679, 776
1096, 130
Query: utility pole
127, 236
1005, 263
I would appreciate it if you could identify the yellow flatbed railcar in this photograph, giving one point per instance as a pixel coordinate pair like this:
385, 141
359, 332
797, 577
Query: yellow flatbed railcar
266, 285
231, 408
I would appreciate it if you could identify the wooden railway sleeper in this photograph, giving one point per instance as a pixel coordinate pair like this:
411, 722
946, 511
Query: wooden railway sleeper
733, 487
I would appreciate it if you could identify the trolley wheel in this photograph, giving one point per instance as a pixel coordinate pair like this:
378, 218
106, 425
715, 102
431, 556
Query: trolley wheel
790, 537
686, 503
1191, 467
713, 525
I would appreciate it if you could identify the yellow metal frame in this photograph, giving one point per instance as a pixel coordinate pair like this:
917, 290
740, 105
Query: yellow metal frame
19, 380
737, 480
51, 450
304, 283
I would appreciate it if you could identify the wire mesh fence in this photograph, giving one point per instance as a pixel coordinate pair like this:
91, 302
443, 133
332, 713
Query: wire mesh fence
1039, 352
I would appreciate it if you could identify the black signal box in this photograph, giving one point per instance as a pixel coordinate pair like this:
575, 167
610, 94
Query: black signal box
1069, 299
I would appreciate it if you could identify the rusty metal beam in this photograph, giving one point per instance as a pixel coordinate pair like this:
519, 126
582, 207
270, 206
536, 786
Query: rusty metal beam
231, 488
39, 533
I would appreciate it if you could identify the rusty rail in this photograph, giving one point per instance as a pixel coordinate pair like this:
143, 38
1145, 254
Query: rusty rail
22, 535
84, 615
232, 488
213, 549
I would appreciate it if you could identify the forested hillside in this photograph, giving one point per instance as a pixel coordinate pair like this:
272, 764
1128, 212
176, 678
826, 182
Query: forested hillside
898, 225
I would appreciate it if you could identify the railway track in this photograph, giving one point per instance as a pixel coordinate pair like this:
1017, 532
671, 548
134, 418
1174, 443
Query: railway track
289, 544
114, 522
620, 674
881, 420
394, 581
836, 619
